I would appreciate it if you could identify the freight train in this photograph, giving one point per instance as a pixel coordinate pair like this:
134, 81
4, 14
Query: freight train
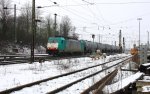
63, 46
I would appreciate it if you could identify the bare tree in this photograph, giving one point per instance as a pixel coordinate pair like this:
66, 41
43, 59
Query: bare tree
74, 35
65, 26
4, 16
27, 13
24, 24
49, 26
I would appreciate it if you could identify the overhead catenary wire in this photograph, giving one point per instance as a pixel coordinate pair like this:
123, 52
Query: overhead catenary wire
83, 7
101, 15
95, 3
93, 13
86, 19
124, 21
126, 3
101, 3
130, 19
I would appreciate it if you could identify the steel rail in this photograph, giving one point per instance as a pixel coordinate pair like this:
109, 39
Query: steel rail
50, 78
6, 59
101, 81
105, 81
70, 84
14, 59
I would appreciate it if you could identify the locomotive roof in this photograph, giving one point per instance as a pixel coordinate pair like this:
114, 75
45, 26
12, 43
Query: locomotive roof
67, 37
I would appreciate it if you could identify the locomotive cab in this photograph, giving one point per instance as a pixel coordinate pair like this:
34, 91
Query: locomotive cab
55, 45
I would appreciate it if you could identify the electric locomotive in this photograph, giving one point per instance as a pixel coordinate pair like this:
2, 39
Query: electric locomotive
60, 45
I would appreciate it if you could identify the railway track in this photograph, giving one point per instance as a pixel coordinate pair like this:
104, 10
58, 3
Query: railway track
99, 85
67, 83
19, 59
16, 59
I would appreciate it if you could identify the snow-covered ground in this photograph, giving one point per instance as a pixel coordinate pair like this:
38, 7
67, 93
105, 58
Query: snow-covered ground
19, 74
13, 48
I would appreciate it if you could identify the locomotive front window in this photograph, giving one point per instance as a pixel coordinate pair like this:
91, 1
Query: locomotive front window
53, 41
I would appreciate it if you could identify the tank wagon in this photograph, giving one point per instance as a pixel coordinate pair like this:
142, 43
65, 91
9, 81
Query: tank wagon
62, 46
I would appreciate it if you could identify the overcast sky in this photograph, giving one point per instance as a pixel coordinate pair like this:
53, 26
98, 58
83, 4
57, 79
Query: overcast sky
104, 17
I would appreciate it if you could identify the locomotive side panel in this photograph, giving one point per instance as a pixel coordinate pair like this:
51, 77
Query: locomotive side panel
73, 46
94, 46
88, 47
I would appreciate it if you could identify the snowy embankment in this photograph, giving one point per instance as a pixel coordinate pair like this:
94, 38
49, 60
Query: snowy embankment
18, 48
19, 74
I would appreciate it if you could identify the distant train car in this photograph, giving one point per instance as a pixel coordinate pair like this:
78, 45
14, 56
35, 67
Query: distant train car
87, 46
94, 46
100, 46
105, 48
117, 49
112, 49
108, 48
60, 45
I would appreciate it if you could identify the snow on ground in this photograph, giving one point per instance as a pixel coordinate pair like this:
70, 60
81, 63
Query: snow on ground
19, 74
12, 48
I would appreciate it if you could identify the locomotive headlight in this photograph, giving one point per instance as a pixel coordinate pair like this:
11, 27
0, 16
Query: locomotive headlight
52, 45
48, 45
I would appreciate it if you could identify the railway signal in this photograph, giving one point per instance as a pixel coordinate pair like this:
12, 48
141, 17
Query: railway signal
93, 36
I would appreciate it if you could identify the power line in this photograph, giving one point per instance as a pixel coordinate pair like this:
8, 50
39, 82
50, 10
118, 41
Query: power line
82, 7
117, 2
99, 11
76, 14
94, 4
93, 14
128, 20
73, 5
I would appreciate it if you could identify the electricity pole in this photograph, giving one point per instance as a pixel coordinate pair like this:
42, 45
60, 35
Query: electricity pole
93, 36
139, 31
148, 40
99, 38
15, 33
120, 43
139, 19
55, 25
33, 30
123, 44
